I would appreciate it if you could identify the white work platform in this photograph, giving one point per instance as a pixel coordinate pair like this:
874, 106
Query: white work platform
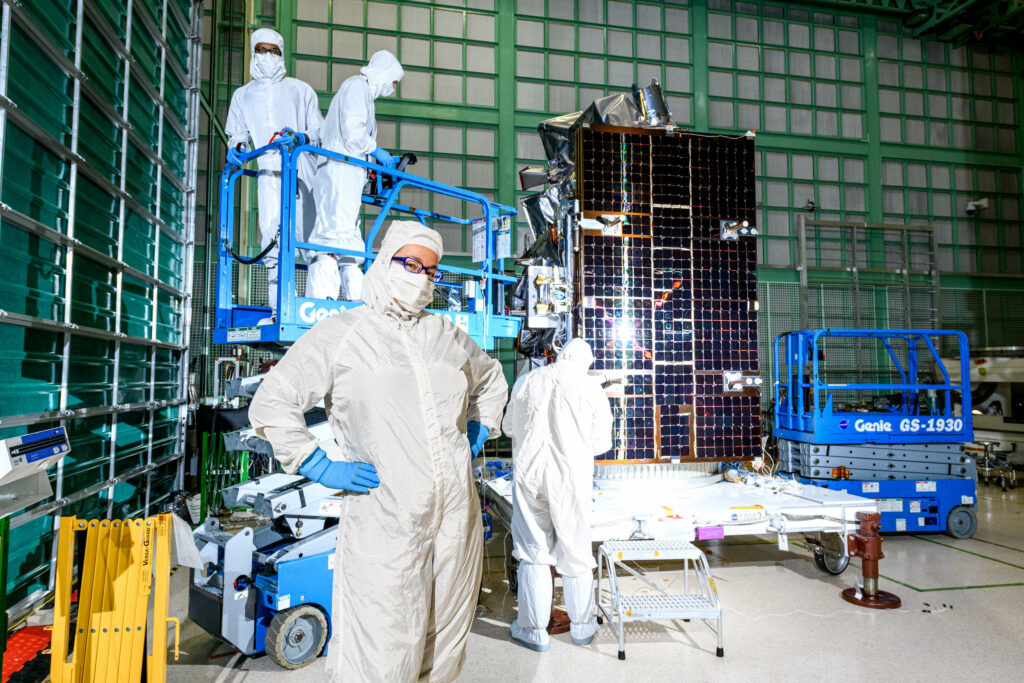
648, 502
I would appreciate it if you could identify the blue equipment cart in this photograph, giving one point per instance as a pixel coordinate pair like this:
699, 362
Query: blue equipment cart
483, 318
900, 442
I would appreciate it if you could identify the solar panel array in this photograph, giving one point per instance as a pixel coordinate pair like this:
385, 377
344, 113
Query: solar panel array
670, 305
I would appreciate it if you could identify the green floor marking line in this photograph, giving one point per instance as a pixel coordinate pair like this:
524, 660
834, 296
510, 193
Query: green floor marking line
950, 588
1008, 547
906, 585
984, 557
969, 588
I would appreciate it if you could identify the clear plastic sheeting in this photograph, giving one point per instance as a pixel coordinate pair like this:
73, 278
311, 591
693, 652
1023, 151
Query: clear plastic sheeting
676, 475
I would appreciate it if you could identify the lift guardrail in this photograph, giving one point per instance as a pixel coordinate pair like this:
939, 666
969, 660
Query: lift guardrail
237, 323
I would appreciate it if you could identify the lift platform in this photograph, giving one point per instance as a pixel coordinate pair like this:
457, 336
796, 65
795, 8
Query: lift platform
480, 307
900, 443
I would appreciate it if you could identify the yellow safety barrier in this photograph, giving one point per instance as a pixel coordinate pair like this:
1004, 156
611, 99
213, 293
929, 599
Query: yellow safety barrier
126, 565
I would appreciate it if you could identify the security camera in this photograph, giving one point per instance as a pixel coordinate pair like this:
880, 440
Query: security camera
976, 206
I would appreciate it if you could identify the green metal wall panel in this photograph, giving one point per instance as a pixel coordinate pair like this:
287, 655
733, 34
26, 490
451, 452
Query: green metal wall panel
89, 462
34, 274
30, 364
144, 115
132, 442
136, 308
100, 142
90, 373
140, 177
166, 367
171, 268
136, 371
145, 51
40, 188
28, 563
116, 15
78, 152
42, 90
177, 41
57, 22
97, 218
139, 243
169, 316
177, 103
103, 66
172, 208
93, 295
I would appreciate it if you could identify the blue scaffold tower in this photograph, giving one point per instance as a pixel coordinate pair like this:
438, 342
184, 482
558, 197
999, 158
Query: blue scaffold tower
483, 316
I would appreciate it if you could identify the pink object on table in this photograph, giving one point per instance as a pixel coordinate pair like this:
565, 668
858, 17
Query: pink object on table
710, 533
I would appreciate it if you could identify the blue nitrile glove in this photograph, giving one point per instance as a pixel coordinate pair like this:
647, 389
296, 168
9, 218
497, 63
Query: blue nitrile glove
383, 157
351, 476
291, 137
477, 435
235, 154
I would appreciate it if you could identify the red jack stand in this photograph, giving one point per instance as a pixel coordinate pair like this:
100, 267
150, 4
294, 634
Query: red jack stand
867, 545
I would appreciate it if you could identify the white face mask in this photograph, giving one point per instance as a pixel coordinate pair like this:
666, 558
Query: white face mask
267, 65
412, 291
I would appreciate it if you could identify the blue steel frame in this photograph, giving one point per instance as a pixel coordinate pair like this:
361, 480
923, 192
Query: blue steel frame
804, 409
236, 324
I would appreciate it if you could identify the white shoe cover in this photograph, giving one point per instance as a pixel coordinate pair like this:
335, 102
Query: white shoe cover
535, 588
579, 604
351, 282
323, 279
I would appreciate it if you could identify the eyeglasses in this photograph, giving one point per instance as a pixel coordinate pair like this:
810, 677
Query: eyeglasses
260, 50
414, 265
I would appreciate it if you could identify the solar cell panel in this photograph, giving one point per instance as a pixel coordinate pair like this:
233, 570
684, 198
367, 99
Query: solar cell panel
669, 306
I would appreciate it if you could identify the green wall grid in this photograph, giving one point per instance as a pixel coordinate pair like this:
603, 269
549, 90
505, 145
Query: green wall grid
808, 77
98, 129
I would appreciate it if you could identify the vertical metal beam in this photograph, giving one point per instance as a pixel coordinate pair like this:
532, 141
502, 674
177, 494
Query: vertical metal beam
805, 323
873, 167
191, 199
76, 99
699, 57
933, 265
123, 211
505, 69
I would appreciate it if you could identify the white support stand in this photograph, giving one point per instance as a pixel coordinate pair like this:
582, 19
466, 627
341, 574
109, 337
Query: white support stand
700, 603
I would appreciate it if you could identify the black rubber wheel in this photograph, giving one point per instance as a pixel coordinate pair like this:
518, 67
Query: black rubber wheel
962, 522
831, 564
720, 652
296, 636
622, 654
600, 620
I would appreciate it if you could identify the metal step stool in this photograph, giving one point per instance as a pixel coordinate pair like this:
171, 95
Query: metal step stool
700, 603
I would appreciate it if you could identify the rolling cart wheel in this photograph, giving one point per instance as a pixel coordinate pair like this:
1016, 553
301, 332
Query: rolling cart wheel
296, 636
600, 620
720, 652
831, 564
622, 655
962, 522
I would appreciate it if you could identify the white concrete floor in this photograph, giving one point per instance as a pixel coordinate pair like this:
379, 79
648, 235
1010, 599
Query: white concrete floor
784, 620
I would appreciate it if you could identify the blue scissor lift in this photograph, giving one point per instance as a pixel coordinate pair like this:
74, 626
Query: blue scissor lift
290, 575
903, 446
484, 320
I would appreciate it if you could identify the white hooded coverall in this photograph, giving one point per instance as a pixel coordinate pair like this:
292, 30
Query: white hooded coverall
268, 103
350, 128
399, 388
558, 418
